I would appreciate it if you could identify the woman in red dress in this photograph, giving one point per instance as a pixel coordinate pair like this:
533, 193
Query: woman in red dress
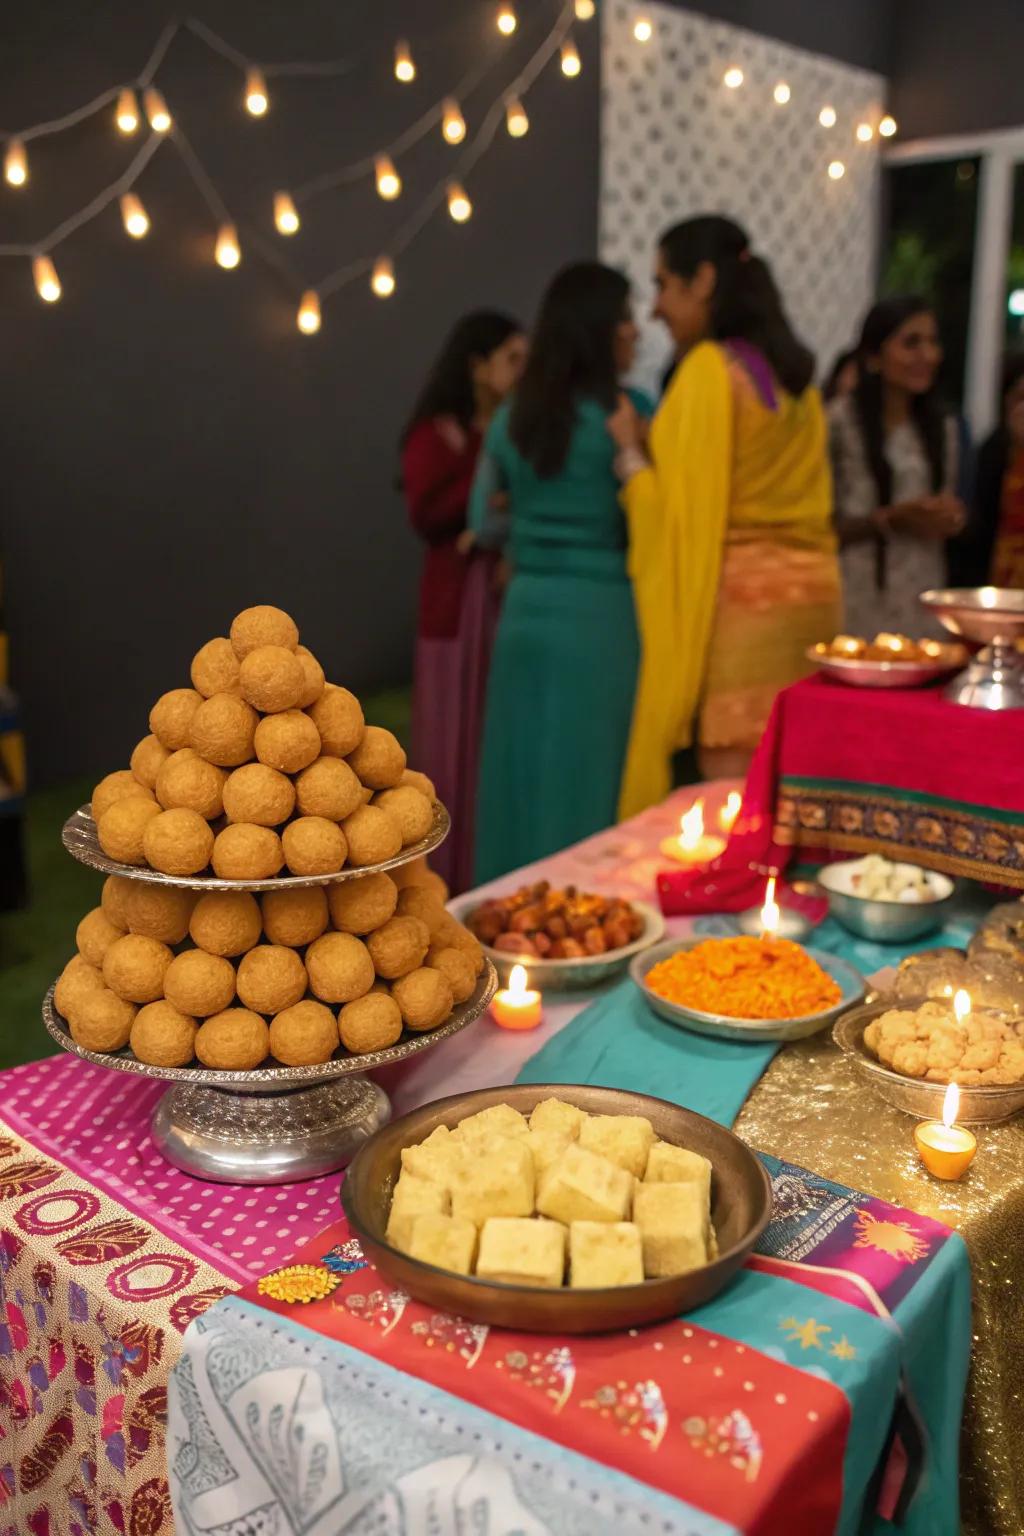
479, 364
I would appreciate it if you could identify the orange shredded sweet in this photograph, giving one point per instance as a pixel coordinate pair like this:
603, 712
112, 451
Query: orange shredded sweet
745, 978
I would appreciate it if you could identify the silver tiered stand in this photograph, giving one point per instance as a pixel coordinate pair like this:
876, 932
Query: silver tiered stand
992, 617
276, 1124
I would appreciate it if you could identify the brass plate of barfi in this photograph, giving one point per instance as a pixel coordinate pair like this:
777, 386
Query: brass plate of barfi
741, 1203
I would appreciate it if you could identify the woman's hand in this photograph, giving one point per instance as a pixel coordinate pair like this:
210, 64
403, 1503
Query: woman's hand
625, 426
929, 517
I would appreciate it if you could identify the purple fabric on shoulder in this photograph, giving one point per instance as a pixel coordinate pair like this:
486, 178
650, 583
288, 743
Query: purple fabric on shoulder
759, 369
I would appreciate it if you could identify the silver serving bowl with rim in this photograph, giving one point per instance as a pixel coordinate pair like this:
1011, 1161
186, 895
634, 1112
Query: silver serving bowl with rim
992, 617
864, 672
884, 922
567, 975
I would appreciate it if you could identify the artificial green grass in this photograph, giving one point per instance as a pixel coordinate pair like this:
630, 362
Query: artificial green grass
35, 944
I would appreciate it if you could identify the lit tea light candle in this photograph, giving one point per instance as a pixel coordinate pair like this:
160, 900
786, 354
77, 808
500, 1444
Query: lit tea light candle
961, 1005
770, 913
730, 810
693, 845
947, 1150
517, 1006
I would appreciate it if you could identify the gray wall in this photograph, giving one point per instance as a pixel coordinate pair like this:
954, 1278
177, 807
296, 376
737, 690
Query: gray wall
956, 66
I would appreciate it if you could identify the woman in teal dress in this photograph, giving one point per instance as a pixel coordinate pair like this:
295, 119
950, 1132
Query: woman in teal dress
560, 695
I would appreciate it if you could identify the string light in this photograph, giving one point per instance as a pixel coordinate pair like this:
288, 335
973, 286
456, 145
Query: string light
127, 116
308, 317
516, 120
507, 21
383, 280
15, 164
782, 93
389, 183
459, 205
865, 133
585, 10
733, 77
837, 170
256, 99
44, 275
887, 127
571, 65
453, 124
643, 29
405, 69
286, 215
156, 110
827, 117
135, 217
227, 250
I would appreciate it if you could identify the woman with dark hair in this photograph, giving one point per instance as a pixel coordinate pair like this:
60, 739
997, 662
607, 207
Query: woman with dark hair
733, 555
565, 657
895, 453
842, 378
992, 548
478, 365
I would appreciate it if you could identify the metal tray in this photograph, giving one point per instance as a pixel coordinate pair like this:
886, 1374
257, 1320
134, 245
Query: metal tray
568, 975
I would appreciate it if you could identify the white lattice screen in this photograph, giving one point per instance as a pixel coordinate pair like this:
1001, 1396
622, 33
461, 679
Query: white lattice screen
676, 142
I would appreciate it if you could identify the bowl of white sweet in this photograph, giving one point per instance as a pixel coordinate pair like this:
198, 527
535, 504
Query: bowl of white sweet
886, 902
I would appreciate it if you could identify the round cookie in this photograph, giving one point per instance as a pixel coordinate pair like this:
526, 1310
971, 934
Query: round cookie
413, 811
120, 785
102, 1021
413, 873
258, 794
121, 829
199, 984
235, 1041
147, 759
339, 968
430, 880
373, 836
288, 742
328, 788
338, 716
419, 781
312, 677
271, 978
295, 917
371, 1023
134, 967
359, 906
178, 842
262, 625
450, 934
163, 1037
158, 911
76, 981
223, 728
417, 901
245, 852
424, 997
114, 897
226, 923
272, 679
215, 668
170, 719
313, 846
304, 1035
398, 947
187, 781
379, 759
95, 934
457, 969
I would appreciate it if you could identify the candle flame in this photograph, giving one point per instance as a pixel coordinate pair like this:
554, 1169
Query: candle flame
770, 913
730, 810
691, 825
517, 983
961, 1005
951, 1103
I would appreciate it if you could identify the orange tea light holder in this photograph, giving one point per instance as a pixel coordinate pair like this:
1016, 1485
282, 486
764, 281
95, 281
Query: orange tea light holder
517, 1006
945, 1148
692, 845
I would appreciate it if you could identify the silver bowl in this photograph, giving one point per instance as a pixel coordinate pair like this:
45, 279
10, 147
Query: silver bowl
992, 617
984, 1104
860, 672
884, 922
722, 1026
568, 975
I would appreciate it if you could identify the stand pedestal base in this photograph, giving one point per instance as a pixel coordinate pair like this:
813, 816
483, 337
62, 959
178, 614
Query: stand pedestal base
994, 680
268, 1138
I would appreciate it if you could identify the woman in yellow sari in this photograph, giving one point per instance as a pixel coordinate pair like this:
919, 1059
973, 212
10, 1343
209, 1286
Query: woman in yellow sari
729, 504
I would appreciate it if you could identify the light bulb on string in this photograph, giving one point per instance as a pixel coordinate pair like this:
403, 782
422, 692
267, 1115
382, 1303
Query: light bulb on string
127, 115
836, 170
156, 110
286, 215
887, 127
782, 93
459, 205
507, 20
733, 77
405, 69
227, 251
308, 317
643, 29
256, 99
453, 124
44, 275
827, 117
865, 133
15, 164
571, 65
383, 280
516, 120
134, 216
389, 183
585, 10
